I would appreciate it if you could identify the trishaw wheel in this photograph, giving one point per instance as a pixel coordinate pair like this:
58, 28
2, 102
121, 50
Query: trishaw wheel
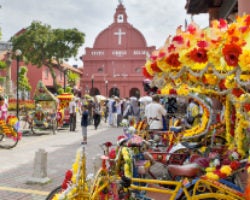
53, 192
1, 136
8, 141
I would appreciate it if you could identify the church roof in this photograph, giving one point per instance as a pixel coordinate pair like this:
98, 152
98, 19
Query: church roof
119, 28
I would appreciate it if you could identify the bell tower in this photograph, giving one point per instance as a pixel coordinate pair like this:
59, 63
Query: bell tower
120, 15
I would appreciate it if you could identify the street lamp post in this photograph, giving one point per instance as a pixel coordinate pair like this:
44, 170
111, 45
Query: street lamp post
106, 84
92, 85
18, 53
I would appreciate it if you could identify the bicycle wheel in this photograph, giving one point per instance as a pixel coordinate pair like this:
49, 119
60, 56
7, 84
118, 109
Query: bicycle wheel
54, 192
8, 139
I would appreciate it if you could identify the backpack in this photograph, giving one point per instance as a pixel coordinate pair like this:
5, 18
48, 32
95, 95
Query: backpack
113, 107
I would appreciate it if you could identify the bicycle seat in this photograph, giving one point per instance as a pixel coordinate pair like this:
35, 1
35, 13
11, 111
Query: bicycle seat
188, 170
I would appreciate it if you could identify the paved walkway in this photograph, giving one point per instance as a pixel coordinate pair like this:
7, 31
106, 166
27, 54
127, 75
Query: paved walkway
16, 166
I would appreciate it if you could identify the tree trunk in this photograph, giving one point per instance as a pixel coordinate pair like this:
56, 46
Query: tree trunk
52, 72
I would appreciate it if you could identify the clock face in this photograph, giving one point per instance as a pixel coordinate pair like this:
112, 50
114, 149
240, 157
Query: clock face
120, 18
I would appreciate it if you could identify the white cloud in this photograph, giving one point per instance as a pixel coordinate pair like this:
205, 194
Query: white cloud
156, 20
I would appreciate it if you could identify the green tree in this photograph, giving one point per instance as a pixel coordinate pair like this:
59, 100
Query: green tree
23, 81
42, 45
73, 78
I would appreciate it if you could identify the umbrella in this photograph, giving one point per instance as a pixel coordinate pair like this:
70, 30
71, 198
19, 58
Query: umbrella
101, 98
145, 99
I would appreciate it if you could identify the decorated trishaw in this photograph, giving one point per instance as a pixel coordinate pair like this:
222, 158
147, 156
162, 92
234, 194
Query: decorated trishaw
63, 109
208, 65
44, 115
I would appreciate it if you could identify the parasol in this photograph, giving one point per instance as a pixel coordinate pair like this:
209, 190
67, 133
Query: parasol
101, 98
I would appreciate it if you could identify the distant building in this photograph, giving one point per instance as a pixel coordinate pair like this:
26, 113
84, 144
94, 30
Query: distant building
113, 65
36, 74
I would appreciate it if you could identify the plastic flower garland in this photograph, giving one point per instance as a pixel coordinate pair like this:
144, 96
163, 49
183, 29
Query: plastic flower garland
225, 48
72, 186
215, 60
236, 136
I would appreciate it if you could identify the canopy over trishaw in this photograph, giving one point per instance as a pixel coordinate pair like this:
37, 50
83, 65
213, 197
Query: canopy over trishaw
63, 108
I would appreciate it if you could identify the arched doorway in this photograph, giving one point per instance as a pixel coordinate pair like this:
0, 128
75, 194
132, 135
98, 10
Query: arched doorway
134, 92
114, 91
94, 91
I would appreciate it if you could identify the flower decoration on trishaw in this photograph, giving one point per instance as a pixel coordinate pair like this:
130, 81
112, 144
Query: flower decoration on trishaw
196, 63
214, 61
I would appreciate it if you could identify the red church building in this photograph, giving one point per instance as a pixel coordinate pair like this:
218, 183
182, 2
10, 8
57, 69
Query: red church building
113, 65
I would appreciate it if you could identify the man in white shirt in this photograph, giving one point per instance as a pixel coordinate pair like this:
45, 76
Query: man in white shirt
72, 113
154, 112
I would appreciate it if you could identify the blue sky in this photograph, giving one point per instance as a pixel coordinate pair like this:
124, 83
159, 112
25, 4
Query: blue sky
155, 19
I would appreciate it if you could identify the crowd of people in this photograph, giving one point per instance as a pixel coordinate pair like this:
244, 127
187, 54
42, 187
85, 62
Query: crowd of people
157, 112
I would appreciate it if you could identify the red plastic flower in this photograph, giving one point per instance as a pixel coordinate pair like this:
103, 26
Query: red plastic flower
112, 154
171, 48
199, 55
223, 23
68, 175
231, 54
172, 91
172, 60
202, 44
179, 39
155, 67
191, 29
247, 107
108, 144
235, 164
237, 92
65, 185
247, 20
222, 85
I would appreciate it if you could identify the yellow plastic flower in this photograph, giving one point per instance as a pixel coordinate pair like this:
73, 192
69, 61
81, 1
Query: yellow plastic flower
212, 176
244, 60
148, 68
226, 169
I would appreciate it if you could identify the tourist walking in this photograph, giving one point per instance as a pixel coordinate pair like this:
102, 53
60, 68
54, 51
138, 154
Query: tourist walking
154, 112
118, 111
84, 123
96, 113
72, 115
112, 111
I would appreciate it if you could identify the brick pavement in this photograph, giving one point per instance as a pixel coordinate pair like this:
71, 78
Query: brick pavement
13, 182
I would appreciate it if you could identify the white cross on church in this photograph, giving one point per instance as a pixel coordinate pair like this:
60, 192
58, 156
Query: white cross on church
119, 34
